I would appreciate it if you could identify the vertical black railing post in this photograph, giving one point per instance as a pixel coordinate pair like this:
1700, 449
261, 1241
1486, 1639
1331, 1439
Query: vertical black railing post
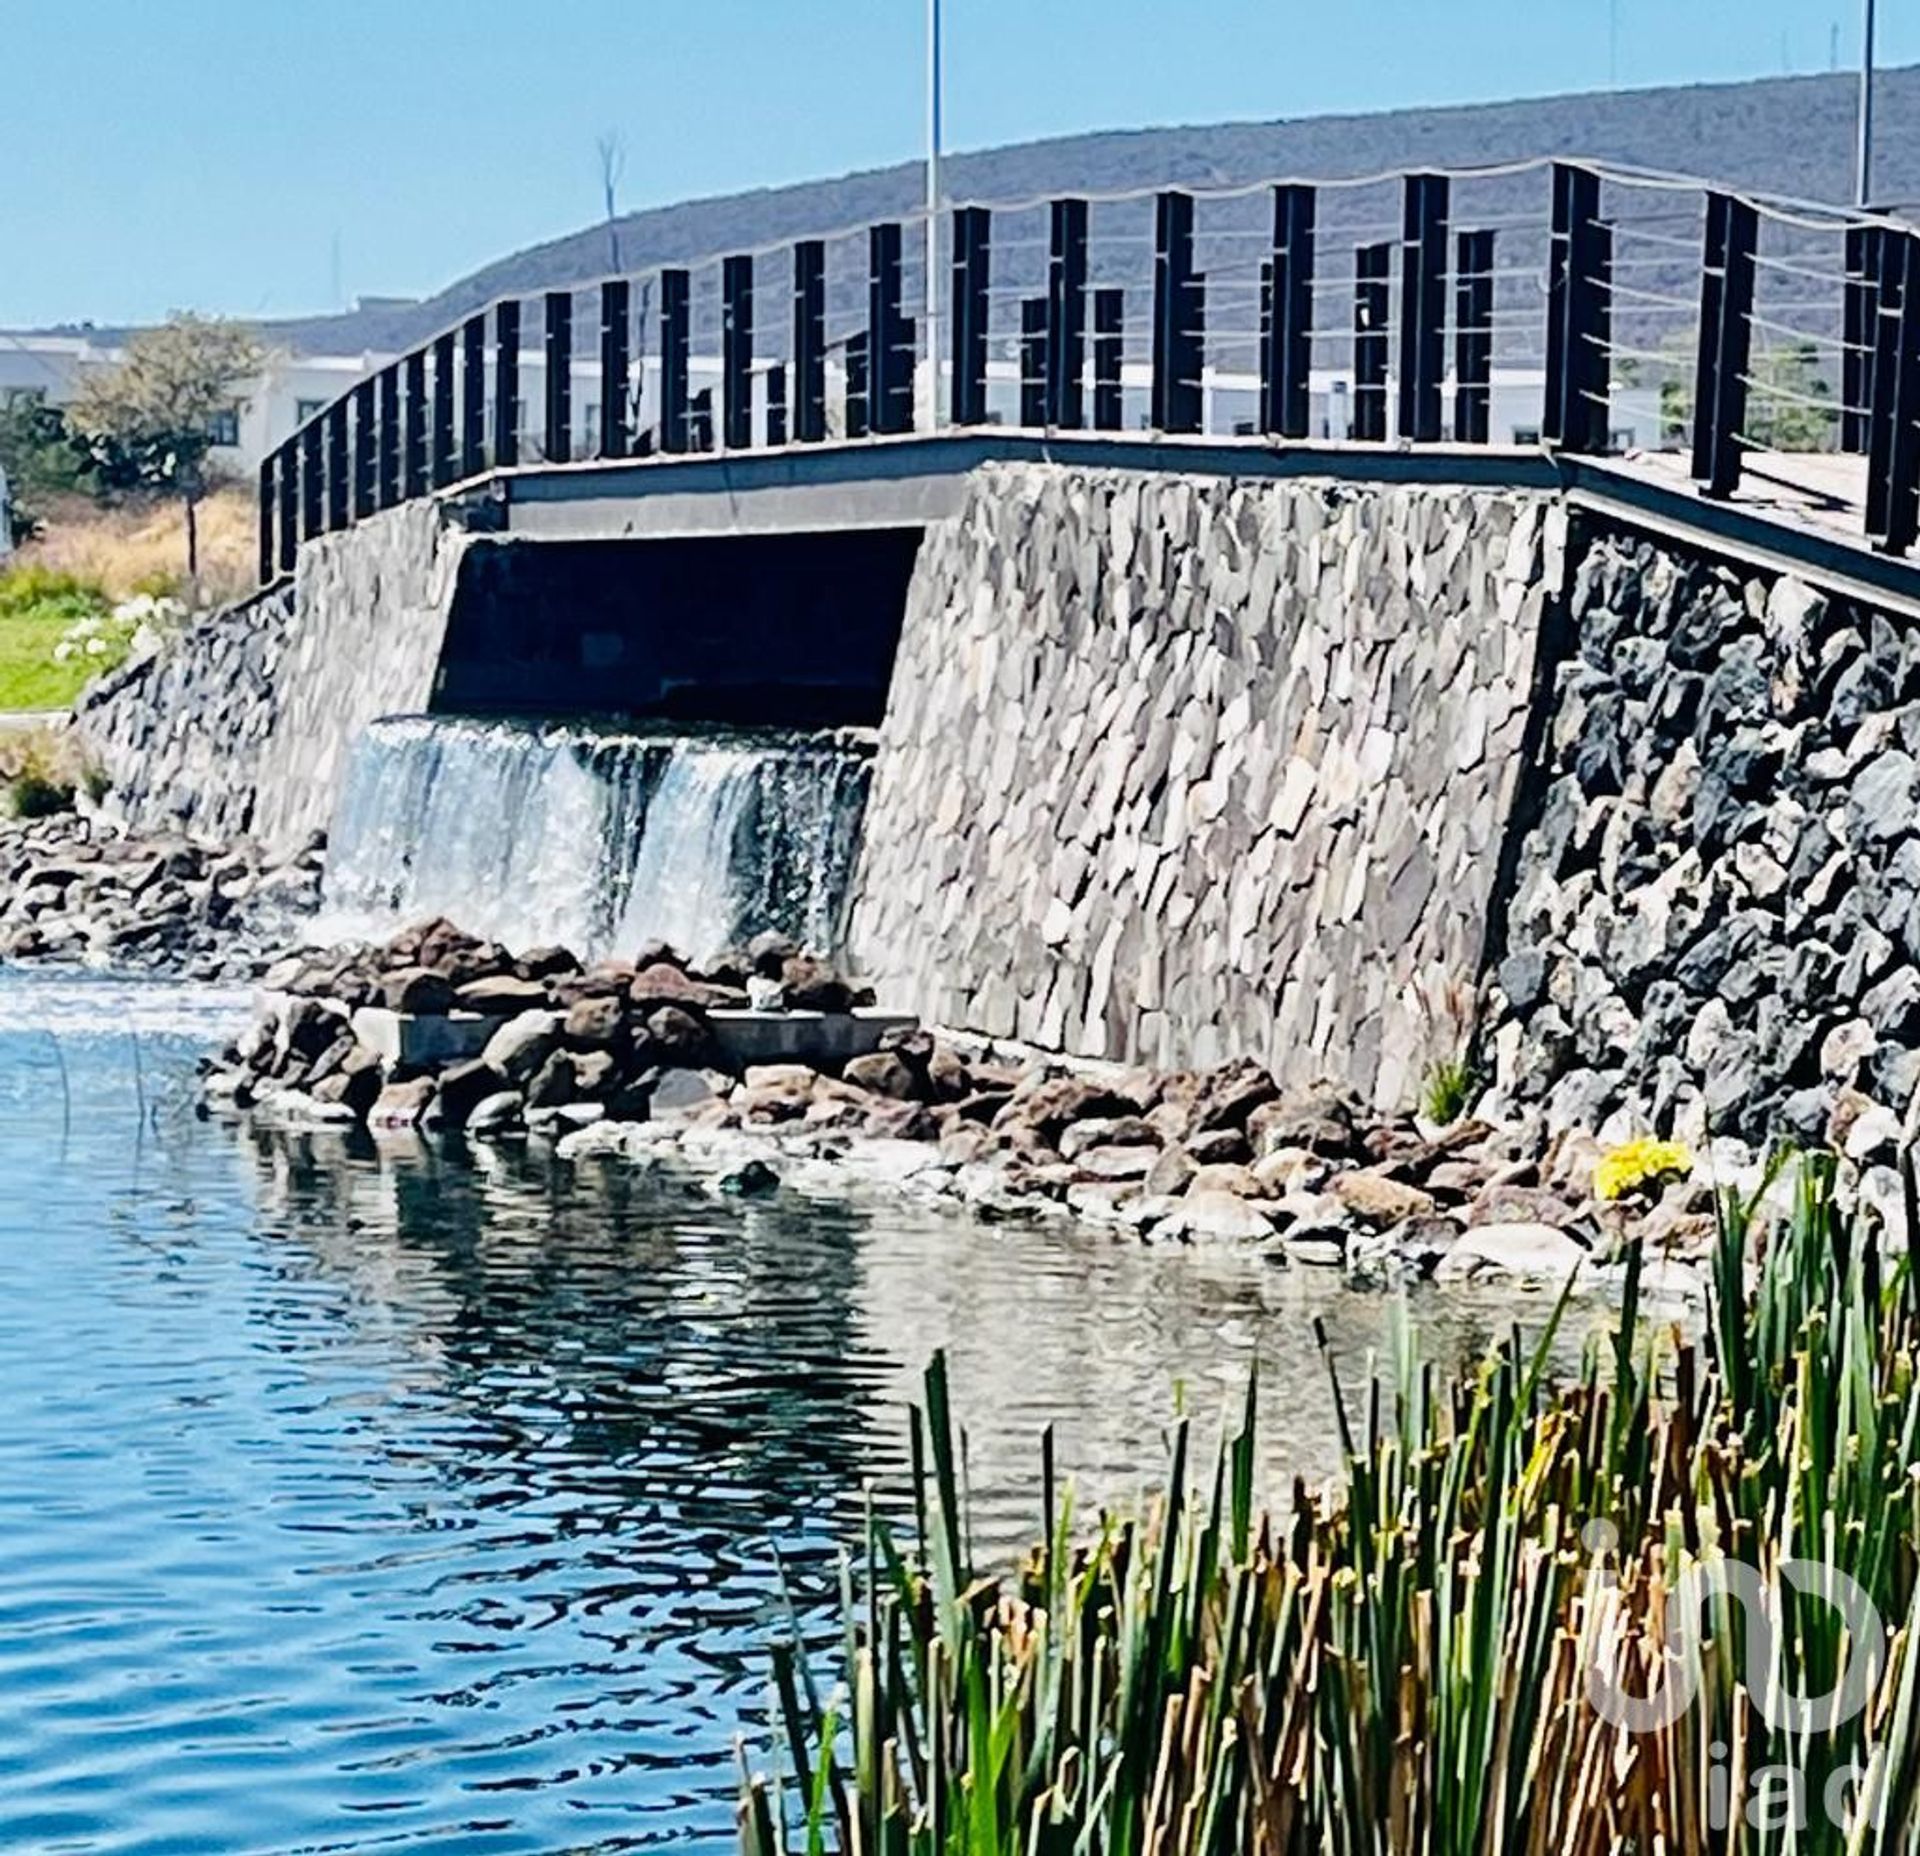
288, 527
413, 457
473, 396
1177, 308
1109, 353
268, 509
810, 341
442, 461
1033, 362
1574, 417
859, 385
506, 385
1066, 314
1473, 338
1857, 336
557, 442
339, 504
777, 403
1372, 267
1423, 306
700, 421
616, 360
391, 436
889, 334
1893, 426
676, 297
1287, 353
972, 267
736, 353
366, 450
313, 481
1726, 343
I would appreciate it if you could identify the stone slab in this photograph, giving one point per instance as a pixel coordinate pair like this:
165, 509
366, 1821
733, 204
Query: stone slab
821, 1039
410, 1039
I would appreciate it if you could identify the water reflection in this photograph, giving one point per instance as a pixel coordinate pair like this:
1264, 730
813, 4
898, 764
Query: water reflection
371, 1496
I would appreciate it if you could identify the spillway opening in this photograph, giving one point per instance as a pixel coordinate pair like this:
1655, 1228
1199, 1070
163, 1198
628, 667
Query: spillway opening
794, 631
600, 839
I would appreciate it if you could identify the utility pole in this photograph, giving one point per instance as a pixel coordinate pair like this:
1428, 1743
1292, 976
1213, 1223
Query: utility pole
931, 317
1863, 156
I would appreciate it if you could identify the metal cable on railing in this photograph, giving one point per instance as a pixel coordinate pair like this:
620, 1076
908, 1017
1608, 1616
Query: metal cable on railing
1589, 306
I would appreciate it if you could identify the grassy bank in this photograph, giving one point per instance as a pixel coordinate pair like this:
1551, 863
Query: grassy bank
88, 560
1433, 1657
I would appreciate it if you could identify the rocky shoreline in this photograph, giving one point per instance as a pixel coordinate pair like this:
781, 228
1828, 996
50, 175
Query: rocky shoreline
77, 892
632, 1061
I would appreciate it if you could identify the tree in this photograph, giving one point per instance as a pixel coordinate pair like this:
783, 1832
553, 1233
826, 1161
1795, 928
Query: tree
148, 423
612, 149
39, 458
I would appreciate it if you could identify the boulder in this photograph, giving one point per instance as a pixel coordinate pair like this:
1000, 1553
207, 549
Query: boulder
539, 963
948, 1078
1107, 1131
1115, 1163
1214, 1218
748, 1180
1047, 1104
1220, 1147
662, 985
1171, 1173
593, 1023
1226, 1177
813, 986
356, 1089
403, 1105
677, 1037
554, 1083
1506, 1203
595, 1075
419, 990
681, 1091
886, 1073
518, 1049
464, 1086
768, 953
1522, 1249
1231, 1095
497, 1113
1320, 1120
902, 1121
1378, 1199
501, 995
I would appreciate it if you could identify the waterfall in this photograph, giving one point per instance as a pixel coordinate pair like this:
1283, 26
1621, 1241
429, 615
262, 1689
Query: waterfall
533, 833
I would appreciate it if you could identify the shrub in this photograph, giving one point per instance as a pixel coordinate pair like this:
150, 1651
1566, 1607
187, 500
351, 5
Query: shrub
1446, 1091
40, 782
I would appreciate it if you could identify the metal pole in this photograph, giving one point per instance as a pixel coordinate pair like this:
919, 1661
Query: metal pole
932, 317
1863, 157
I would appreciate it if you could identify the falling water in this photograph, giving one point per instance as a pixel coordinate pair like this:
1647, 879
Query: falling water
536, 833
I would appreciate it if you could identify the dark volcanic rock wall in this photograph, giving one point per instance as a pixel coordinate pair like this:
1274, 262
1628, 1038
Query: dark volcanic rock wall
1715, 922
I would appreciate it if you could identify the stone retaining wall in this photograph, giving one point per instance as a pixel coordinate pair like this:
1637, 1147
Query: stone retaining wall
1715, 921
243, 725
1176, 770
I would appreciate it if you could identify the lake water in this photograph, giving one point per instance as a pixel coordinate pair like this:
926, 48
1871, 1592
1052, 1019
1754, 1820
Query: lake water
375, 1498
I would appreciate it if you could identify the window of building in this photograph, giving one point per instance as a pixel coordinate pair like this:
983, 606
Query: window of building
1526, 434
303, 410
224, 427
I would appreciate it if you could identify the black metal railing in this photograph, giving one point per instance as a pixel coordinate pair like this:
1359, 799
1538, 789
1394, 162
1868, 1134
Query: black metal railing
1580, 306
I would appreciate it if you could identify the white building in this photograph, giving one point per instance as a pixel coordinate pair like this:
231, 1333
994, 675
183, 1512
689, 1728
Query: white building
267, 409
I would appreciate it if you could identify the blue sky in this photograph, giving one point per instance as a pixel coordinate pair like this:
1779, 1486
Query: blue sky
279, 157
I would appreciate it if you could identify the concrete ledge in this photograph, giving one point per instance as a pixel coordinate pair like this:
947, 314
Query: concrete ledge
820, 1039
414, 1041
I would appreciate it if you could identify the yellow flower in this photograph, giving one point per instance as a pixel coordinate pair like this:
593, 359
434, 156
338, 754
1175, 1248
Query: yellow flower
1640, 1162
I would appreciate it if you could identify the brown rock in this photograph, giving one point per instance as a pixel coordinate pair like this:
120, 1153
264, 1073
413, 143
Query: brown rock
948, 1077
1171, 1172
1378, 1199
885, 1073
912, 1045
984, 1105
1107, 1131
903, 1121
1231, 1094
1227, 1178
501, 995
1049, 1104
555, 1082
594, 1024
662, 984
963, 1142
464, 1086
678, 1038
813, 986
402, 1105
595, 1075
539, 963
418, 990
1321, 1119
1115, 1162
357, 1088
1503, 1204
1220, 1146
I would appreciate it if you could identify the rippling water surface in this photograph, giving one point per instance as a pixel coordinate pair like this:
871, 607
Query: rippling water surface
363, 1498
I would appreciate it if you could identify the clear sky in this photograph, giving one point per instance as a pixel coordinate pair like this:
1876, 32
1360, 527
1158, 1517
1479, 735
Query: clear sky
283, 156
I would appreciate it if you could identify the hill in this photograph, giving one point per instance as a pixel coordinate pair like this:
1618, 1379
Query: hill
1791, 136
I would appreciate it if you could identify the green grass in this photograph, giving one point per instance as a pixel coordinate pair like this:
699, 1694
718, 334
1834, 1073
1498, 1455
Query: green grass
1402, 1664
37, 607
